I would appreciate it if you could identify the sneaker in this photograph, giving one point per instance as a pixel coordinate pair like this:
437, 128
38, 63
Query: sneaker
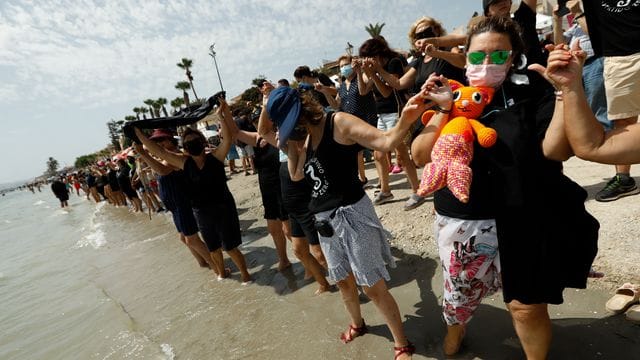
617, 188
382, 198
396, 169
391, 167
414, 201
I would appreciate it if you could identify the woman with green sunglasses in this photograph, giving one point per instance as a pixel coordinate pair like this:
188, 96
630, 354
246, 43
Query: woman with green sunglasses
545, 238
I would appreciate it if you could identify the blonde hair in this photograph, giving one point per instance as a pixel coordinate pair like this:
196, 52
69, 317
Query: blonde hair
436, 25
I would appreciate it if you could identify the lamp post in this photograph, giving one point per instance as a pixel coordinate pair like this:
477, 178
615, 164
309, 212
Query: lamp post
349, 49
212, 52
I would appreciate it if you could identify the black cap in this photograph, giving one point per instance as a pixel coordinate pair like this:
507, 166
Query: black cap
486, 4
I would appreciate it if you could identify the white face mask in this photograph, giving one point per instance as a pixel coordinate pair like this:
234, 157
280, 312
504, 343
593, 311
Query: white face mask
490, 75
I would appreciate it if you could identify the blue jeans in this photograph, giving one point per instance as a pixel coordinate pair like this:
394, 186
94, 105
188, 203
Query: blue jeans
593, 80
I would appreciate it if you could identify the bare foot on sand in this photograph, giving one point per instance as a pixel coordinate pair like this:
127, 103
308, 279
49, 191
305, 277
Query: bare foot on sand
284, 265
246, 279
453, 339
226, 274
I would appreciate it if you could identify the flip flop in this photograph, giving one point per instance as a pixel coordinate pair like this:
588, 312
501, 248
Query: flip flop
633, 314
626, 295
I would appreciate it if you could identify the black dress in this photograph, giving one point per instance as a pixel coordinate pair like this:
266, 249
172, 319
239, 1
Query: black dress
547, 239
213, 205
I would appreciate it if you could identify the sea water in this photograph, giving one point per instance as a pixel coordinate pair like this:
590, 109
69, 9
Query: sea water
93, 281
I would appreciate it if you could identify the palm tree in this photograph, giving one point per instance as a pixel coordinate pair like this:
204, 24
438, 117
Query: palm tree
162, 102
374, 30
184, 86
149, 103
130, 118
176, 104
137, 111
186, 65
144, 112
156, 108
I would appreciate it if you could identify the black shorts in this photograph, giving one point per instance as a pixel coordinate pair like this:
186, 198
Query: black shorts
269, 182
184, 220
219, 224
296, 196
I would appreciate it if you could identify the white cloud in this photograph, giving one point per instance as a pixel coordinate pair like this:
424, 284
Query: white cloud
106, 54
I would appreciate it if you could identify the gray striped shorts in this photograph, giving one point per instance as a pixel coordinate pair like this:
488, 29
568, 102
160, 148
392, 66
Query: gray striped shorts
359, 244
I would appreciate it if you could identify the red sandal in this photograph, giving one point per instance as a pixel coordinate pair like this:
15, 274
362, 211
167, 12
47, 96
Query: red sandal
407, 349
353, 332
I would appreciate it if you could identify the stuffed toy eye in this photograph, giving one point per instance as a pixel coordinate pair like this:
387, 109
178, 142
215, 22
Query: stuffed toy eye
456, 95
476, 97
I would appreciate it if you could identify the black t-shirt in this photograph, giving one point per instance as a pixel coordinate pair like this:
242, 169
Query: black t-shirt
205, 186
520, 115
614, 26
435, 65
332, 171
266, 158
389, 105
243, 124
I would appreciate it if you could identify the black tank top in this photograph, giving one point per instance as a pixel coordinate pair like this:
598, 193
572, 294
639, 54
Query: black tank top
173, 190
208, 185
332, 171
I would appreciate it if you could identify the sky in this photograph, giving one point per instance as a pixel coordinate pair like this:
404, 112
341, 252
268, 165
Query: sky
69, 67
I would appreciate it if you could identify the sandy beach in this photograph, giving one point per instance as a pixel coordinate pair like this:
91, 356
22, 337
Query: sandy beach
582, 327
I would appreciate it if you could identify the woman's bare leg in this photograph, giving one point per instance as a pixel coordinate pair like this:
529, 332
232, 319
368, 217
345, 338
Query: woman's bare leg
387, 306
301, 251
533, 327
238, 258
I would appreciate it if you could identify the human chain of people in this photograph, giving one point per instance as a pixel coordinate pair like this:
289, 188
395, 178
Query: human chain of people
490, 115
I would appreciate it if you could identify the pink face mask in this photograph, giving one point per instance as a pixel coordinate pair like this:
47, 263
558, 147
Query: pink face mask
490, 75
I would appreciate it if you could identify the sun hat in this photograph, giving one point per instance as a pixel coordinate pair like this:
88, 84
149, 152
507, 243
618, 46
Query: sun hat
284, 109
160, 134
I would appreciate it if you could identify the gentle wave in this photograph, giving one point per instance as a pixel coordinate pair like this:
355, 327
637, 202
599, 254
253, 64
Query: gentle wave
168, 350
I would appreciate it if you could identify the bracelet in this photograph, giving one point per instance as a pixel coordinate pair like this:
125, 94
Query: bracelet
259, 140
558, 94
441, 110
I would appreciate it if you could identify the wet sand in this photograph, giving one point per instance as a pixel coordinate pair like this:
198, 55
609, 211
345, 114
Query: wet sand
582, 327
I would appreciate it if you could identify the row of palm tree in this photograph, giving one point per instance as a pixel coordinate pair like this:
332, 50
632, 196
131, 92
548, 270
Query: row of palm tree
153, 107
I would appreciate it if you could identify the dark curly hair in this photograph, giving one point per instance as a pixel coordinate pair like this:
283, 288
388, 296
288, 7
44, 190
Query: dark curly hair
189, 131
500, 25
377, 46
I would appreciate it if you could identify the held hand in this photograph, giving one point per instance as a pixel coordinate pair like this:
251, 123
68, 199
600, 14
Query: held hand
138, 148
429, 50
564, 67
438, 90
321, 88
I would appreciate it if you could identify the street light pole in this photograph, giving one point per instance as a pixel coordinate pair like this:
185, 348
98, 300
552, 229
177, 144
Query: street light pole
212, 52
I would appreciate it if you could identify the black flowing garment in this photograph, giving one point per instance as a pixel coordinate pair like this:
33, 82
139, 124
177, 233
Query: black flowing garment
547, 239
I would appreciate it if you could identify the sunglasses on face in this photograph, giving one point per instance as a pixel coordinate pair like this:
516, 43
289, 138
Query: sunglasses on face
426, 33
497, 57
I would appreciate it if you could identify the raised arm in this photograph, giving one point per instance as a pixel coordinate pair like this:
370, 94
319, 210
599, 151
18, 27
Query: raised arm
157, 166
447, 41
172, 159
456, 59
586, 136
555, 144
228, 128
351, 129
442, 96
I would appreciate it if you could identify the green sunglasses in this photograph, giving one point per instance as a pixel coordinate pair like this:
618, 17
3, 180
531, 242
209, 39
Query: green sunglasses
497, 57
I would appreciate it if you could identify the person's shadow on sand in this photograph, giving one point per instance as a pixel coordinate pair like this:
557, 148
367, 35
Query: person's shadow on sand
425, 327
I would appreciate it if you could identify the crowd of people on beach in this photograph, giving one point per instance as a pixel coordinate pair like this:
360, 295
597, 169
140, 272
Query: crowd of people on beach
523, 228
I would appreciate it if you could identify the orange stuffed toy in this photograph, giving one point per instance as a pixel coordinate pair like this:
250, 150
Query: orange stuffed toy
453, 150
